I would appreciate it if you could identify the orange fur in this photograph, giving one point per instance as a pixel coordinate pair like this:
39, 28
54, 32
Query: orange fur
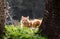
35, 23
25, 22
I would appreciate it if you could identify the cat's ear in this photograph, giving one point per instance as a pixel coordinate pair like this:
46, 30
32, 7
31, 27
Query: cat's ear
22, 17
28, 17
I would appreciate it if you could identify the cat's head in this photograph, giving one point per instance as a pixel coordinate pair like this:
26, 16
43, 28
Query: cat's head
25, 20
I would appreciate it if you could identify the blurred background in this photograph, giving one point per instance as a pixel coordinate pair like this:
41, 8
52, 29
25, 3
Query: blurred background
31, 8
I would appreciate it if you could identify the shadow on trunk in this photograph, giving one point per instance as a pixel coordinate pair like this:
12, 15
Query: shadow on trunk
51, 22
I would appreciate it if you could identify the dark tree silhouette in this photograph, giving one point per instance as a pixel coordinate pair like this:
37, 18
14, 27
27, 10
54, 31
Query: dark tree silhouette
2, 19
51, 22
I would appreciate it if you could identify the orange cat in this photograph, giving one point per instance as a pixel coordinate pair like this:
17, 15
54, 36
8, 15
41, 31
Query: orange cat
24, 22
35, 23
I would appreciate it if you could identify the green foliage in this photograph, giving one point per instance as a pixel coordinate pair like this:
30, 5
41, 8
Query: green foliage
15, 32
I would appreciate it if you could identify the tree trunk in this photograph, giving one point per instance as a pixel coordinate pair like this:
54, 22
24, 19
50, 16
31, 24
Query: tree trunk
51, 22
2, 19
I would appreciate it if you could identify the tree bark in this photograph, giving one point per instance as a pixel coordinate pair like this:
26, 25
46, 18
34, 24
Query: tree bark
51, 22
2, 19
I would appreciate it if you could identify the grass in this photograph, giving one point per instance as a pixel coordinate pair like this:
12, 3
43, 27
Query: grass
15, 32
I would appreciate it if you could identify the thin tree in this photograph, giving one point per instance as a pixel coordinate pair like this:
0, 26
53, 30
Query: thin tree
2, 19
